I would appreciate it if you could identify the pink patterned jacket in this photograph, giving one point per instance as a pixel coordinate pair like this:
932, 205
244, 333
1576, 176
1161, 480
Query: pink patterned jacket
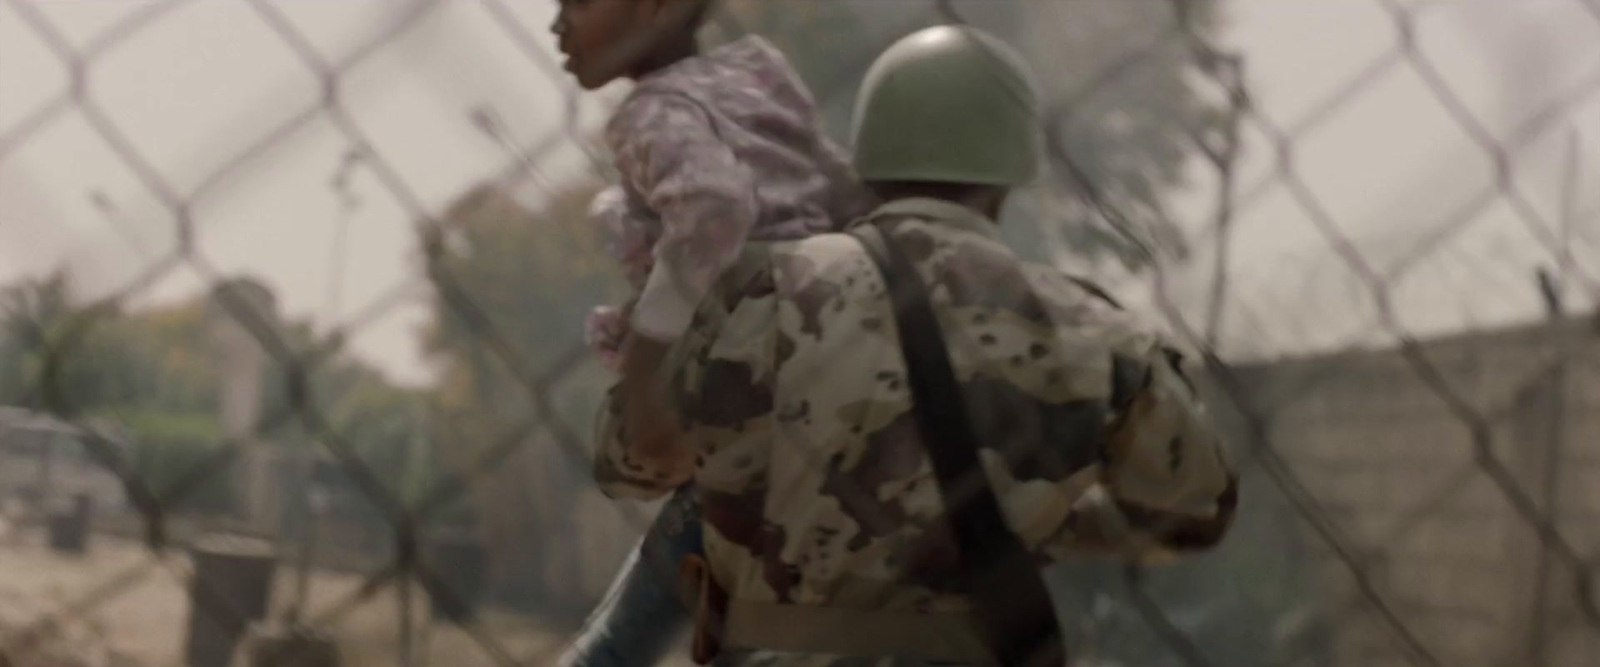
714, 151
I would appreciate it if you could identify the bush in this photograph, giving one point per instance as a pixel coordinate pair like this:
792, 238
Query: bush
175, 456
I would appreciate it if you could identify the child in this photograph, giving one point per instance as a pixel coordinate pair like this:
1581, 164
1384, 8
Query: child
715, 150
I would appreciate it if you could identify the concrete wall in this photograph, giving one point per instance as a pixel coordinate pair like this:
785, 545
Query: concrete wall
1430, 469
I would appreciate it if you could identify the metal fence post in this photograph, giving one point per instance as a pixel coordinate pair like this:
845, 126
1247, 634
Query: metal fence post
231, 588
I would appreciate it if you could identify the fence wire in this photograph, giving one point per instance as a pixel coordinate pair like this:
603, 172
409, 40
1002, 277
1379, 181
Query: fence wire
1318, 436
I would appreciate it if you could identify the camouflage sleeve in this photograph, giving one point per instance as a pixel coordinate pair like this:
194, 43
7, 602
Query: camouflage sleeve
619, 473
1165, 484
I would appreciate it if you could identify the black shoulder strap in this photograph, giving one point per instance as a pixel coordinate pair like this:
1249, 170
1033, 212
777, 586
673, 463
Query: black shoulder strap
1096, 291
1008, 592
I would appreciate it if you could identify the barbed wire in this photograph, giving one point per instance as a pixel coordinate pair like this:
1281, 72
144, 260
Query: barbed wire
1218, 148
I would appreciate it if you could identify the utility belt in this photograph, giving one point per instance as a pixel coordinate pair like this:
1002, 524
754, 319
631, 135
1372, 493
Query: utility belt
721, 622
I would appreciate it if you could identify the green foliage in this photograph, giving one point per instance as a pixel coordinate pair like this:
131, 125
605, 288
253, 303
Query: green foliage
60, 355
33, 317
158, 371
383, 424
533, 273
513, 286
174, 451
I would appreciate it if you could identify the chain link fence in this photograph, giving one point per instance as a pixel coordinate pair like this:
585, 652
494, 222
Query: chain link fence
1418, 495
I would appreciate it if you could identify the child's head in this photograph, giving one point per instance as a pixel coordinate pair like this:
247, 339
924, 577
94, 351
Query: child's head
605, 40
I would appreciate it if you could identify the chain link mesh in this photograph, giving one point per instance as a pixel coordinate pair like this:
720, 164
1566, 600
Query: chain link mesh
1431, 496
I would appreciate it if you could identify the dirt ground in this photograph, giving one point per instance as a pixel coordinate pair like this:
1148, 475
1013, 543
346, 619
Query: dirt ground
119, 606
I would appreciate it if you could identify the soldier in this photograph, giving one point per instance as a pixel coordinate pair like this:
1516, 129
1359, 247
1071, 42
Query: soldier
835, 532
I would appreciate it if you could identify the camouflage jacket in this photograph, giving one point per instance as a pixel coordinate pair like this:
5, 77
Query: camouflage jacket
815, 486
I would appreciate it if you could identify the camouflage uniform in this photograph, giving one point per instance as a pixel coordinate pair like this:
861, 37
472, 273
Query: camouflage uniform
822, 514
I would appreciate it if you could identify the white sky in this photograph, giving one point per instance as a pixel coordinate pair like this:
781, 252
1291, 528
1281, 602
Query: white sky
209, 80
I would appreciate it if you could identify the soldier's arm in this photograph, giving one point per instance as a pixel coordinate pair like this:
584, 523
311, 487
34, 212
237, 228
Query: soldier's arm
1157, 481
1166, 485
640, 452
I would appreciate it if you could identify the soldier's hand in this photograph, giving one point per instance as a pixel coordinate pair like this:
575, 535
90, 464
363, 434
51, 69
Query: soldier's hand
647, 413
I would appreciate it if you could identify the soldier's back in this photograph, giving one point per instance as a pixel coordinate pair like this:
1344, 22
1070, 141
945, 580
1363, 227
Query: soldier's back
818, 492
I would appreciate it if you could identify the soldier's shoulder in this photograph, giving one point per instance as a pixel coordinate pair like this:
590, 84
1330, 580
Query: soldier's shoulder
832, 257
1079, 302
1066, 288
823, 278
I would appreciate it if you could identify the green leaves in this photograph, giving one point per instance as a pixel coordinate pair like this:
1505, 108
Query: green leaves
159, 373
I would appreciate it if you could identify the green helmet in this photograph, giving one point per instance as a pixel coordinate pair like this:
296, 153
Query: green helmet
948, 105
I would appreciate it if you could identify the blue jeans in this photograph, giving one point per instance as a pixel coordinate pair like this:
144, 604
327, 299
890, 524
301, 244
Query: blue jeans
641, 614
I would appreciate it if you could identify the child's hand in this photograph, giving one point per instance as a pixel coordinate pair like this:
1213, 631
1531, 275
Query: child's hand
604, 331
626, 313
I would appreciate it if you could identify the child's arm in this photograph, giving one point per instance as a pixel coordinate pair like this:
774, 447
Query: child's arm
668, 150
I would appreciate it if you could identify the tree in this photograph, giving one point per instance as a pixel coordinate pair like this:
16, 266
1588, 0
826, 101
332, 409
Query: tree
32, 313
169, 447
385, 426
155, 373
513, 285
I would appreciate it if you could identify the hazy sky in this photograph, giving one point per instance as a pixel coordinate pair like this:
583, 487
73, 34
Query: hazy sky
209, 80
